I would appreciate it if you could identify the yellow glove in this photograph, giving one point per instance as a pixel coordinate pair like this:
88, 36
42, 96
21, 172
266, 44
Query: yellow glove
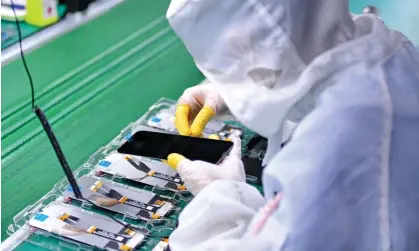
174, 159
195, 108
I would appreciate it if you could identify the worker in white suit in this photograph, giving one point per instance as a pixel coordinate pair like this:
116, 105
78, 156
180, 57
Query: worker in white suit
349, 177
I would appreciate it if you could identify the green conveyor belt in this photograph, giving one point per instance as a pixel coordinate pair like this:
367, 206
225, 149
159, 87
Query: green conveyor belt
91, 82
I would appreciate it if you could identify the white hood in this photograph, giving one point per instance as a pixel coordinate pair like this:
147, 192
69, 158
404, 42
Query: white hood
255, 51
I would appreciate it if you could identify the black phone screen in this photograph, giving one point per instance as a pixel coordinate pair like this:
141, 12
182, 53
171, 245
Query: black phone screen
160, 145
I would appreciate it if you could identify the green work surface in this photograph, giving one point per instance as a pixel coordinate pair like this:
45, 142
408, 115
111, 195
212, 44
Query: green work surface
88, 103
27, 29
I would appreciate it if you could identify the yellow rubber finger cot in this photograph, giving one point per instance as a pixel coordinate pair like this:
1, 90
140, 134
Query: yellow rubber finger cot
181, 188
155, 216
214, 136
201, 120
174, 159
181, 120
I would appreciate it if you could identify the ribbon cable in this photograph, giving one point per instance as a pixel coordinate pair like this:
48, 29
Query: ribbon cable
110, 193
72, 221
144, 168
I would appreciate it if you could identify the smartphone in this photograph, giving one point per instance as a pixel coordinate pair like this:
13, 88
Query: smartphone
160, 145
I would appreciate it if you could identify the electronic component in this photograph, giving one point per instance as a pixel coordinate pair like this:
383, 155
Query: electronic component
229, 132
122, 198
164, 120
140, 169
85, 227
163, 245
160, 145
256, 147
253, 169
139, 127
253, 156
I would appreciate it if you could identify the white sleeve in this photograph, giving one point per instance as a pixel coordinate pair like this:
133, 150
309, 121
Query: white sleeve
288, 130
218, 218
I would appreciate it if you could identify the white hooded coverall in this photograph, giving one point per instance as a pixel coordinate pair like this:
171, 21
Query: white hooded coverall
349, 177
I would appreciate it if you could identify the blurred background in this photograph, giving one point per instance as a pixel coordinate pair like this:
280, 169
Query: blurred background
97, 66
399, 15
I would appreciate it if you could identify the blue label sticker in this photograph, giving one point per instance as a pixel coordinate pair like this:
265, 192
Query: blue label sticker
70, 189
128, 136
105, 163
41, 217
155, 119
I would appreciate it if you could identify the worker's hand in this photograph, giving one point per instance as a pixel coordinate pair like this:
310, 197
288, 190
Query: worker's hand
199, 174
195, 108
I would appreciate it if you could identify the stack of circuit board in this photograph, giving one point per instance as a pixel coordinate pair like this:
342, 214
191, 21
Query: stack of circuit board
125, 206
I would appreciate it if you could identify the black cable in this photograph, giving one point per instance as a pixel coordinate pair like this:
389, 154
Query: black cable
42, 118
19, 32
47, 127
60, 155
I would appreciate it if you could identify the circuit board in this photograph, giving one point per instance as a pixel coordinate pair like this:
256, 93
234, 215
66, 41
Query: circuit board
121, 187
